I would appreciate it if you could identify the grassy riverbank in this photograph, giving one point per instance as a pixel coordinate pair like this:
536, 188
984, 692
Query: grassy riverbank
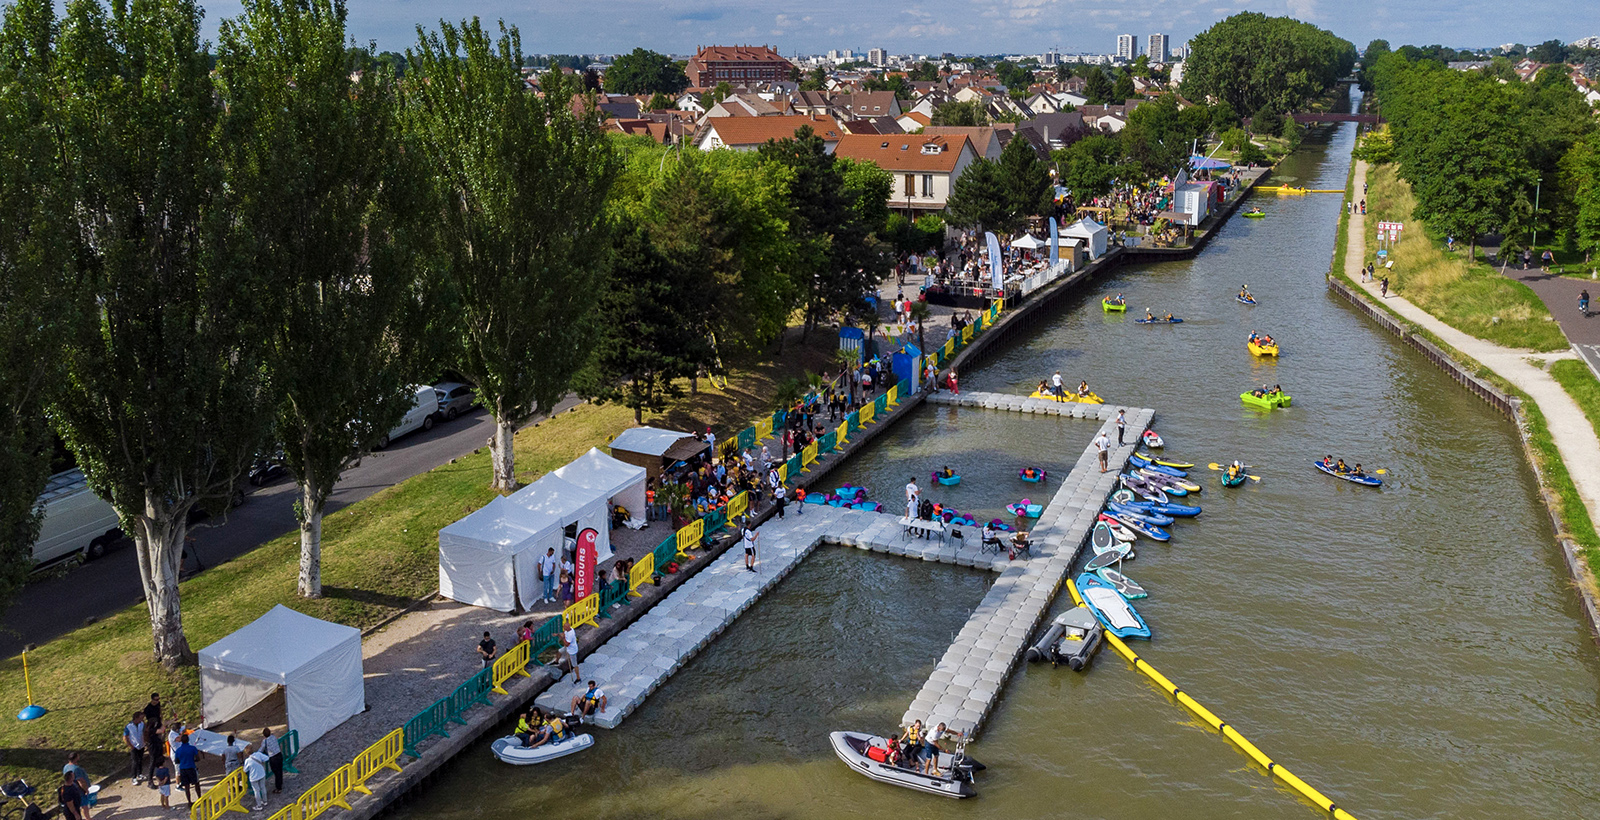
1468, 295
379, 555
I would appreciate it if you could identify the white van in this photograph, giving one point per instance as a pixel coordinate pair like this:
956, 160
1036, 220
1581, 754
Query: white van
75, 520
424, 406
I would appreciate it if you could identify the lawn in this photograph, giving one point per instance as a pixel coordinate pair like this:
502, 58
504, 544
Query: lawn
379, 555
1468, 295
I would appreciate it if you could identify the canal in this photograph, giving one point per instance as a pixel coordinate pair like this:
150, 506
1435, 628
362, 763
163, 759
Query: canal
1414, 652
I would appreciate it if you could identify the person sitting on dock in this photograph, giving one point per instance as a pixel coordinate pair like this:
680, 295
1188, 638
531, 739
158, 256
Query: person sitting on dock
585, 704
1083, 388
1019, 543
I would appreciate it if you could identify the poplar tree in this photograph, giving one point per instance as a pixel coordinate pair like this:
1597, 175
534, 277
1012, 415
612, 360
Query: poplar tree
166, 400
325, 194
522, 190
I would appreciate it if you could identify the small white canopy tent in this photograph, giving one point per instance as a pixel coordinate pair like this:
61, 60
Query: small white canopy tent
620, 482
1091, 232
476, 555
552, 504
1028, 242
316, 662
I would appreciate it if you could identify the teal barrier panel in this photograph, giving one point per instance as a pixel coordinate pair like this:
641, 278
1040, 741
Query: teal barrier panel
827, 443
547, 636
747, 437
431, 721
881, 405
795, 466
905, 389
289, 744
778, 418
666, 552
854, 419
613, 594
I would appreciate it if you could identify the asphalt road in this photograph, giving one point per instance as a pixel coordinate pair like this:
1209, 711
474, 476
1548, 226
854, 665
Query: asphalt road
1560, 295
56, 603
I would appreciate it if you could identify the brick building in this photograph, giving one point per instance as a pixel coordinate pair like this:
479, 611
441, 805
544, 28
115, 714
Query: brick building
736, 65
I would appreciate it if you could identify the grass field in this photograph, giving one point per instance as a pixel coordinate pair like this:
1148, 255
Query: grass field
379, 555
1469, 296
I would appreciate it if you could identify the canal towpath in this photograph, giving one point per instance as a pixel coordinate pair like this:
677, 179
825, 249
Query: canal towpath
1574, 436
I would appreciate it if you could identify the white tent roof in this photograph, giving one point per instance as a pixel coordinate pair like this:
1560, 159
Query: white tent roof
317, 662
498, 526
1029, 242
598, 471
1084, 227
648, 440
552, 501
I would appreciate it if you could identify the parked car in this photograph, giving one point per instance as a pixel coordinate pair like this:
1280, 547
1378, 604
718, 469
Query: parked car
455, 399
267, 468
424, 407
75, 520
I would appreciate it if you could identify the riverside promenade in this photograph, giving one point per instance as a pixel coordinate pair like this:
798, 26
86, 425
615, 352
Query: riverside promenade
965, 683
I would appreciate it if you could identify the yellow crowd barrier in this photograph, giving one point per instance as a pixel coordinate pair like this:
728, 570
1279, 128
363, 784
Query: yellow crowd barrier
689, 537
949, 348
966, 334
384, 753
513, 662
737, 506
894, 396
1274, 769
289, 812
763, 428
843, 433
329, 792
222, 798
641, 572
867, 412
808, 456
783, 474
580, 613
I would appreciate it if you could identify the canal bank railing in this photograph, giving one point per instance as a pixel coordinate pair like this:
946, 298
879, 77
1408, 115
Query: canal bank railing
1273, 768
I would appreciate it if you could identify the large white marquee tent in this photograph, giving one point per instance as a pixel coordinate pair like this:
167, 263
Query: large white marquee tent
623, 484
316, 662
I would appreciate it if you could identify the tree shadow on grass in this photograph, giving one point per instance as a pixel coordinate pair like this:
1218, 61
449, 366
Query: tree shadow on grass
367, 596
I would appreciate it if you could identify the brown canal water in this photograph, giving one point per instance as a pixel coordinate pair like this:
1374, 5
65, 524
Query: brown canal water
1413, 652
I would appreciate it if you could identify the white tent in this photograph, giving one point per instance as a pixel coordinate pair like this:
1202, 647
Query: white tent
650, 440
620, 482
557, 504
1028, 242
316, 662
476, 555
1092, 232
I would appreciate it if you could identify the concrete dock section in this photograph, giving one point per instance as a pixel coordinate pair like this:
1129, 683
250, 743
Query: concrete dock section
966, 682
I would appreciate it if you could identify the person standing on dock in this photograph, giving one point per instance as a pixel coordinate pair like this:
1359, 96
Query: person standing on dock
913, 493
747, 534
1102, 443
1056, 386
1122, 424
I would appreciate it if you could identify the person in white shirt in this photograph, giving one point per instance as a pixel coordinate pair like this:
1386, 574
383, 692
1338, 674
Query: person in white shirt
231, 755
1122, 424
1102, 443
255, 770
1055, 384
133, 738
549, 572
569, 649
913, 492
748, 535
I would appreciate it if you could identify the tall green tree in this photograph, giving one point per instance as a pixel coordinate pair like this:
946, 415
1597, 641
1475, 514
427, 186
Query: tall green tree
166, 399
327, 195
35, 278
955, 112
1122, 89
1026, 181
521, 219
1251, 60
1098, 88
1580, 169
979, 200
1090, 166
643, 71
815, 80
924, 72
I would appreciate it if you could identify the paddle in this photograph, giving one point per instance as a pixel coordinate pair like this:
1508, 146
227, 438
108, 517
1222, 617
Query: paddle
1215, 466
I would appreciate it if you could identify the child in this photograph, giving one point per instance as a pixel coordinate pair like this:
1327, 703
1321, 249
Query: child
566, 587
164, 783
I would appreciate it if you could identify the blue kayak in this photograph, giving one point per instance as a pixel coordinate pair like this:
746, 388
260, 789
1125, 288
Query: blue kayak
1180, 510
1141, 513
1172, 321
1365, 480
1111, 607
1146, 463
1243, 300
1150, 531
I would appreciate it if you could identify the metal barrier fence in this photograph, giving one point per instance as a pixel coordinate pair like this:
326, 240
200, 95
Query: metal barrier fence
641, 571
289, 812
763, 429
546, 636
612, 594
880, 405
377, 757
222, 798
474, 691
852, 422
828, 442
865, 414
328, 792
513, 662
666, 552
582, 612
893, 395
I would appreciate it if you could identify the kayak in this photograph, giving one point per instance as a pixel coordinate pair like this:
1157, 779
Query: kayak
1038, 475
1133, 491
1118, 531
510, 749
1070, 397
1179, 510
1177, 465
1140, 461
1172, 484
867, 755
1129, 588
1262, 350
1149, 531
1113, 307
1172, 321
1113, 610
1130, 511
1366, 480
1268, 402
1254, 214
1230, 479
1152, 440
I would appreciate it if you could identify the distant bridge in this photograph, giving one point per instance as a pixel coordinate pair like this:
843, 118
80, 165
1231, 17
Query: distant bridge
1315, 117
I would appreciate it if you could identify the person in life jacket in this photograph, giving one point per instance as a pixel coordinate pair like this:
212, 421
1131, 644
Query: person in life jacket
912, 743
586, 703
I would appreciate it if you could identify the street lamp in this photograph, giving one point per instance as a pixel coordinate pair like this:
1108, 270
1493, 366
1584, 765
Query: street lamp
1536, 183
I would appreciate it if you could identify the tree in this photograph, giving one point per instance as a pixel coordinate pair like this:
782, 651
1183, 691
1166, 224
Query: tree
1375, 147
325, 191
1580, 169
1090, 165
967, 113
1122, 90
1013, 76
520, 220
642, 71
1026, 181
979, 198
1549, 51
659, 102
1267, 120
717, 94
1097, 88
815, 80
1369, 58
166, 400
1251, 60
925, 72
35, 261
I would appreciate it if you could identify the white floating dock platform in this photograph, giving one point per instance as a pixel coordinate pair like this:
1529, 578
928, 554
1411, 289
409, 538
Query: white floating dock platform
966, 682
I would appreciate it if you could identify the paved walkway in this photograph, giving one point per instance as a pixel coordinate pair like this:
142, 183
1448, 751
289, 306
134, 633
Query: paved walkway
1574, 436
965, 684
1560, 295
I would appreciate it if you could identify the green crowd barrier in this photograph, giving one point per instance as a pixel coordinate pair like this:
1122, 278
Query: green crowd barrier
881, 404
612, 595
666, 552
905, 389
547, 636
431, 721
747, 437
795, 466
289, 744
854, 420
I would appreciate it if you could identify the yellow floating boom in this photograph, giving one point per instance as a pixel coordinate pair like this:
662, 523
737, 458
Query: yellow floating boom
1289, 189
1274, 769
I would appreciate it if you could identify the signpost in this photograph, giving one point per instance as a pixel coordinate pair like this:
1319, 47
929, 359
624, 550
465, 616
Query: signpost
585, 560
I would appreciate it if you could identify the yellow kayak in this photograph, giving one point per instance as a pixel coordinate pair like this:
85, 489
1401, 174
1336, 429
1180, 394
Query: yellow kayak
1263, 350
1070, 397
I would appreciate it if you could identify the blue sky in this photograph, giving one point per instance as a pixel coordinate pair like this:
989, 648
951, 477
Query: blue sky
934, 26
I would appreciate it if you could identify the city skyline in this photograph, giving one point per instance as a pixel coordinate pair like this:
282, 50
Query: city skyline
960, 26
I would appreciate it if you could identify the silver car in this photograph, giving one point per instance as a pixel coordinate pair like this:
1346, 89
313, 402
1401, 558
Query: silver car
455, 399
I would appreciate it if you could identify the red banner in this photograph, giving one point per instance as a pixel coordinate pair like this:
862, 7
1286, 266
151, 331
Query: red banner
583, 585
